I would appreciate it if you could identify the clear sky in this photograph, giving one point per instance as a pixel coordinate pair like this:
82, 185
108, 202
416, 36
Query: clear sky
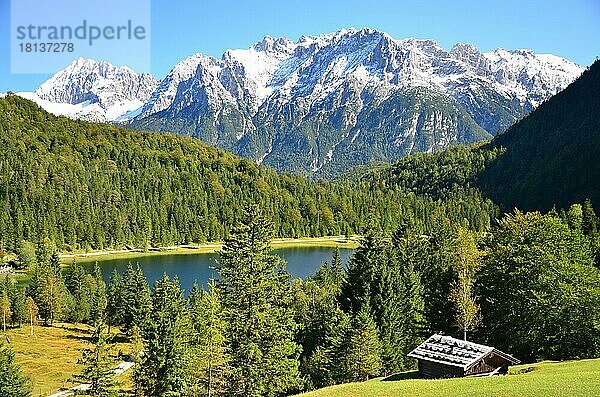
179, 28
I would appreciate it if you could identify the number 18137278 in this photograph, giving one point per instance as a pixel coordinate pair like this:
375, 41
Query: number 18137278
47, 47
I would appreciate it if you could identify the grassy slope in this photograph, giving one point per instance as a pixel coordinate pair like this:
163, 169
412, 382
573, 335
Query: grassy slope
50, 356
571, 378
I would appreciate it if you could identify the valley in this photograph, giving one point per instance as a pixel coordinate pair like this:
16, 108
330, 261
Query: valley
252, 200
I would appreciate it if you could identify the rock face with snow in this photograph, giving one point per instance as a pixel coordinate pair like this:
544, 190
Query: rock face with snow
95, 91
324, 103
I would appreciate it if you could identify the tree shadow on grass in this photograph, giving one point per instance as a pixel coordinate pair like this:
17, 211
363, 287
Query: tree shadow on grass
79, 337
402, 376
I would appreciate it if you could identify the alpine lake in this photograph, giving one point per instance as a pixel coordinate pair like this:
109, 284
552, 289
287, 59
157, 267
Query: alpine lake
302, 262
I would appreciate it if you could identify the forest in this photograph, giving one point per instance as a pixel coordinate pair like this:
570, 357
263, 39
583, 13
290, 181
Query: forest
529, 285
94, 186
436, 255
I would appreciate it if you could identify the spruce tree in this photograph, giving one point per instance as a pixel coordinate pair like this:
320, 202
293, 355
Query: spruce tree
98, 365
47, 286
13, 383
382, 280
115, 307
78, 287
163, 367
19, 309
257, 302
210, 361
136, 298
360, 351
362, 268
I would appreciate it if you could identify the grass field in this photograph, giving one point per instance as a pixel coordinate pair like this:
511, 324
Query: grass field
546, 379
50, 356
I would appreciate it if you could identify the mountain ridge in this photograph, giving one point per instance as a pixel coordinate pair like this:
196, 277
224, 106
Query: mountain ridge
313, 106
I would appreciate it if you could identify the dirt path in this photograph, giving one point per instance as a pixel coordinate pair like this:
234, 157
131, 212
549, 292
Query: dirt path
124, 366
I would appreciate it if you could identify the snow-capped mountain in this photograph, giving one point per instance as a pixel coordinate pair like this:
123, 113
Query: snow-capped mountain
327, 102
324, 103
95, 91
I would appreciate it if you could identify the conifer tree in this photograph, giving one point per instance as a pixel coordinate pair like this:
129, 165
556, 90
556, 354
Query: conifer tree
78, 286
362, 268
115, 308
257, 301
136, 298
98, 365
360, 351
383, 275
13, 383
17, 302
163, 367
47, 286
210, 358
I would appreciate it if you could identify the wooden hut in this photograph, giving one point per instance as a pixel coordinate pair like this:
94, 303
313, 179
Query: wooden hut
442, 356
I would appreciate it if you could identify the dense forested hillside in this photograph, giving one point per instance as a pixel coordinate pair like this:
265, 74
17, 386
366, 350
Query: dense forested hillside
551, 156
85, 185
547, 159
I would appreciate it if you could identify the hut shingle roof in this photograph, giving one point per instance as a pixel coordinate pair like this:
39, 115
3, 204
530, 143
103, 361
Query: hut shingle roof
450, 351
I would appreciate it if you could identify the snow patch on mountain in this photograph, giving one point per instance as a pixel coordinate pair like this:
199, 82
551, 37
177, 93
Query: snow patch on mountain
304, 104
94, 91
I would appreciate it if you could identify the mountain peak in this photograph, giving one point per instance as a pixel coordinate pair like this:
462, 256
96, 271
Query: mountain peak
322, 97
98, 90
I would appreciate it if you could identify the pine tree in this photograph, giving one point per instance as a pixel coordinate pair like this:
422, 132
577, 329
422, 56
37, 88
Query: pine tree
98, 365
163, 367
257, 298
13, 383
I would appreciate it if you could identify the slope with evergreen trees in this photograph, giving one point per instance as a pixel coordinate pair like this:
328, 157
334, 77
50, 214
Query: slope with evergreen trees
85, 185
551, 156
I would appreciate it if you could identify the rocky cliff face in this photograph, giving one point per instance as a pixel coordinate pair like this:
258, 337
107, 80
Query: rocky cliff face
323, 103
97, 91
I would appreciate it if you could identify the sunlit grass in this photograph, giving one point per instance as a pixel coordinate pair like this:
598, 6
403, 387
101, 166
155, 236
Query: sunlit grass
546, 379
50, 356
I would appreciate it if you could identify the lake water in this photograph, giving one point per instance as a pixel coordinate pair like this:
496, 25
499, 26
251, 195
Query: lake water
302, 262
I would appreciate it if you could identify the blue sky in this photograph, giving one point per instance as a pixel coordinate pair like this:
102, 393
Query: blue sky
180, 28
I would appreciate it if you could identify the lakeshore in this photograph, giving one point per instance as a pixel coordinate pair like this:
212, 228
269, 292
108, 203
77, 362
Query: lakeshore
190, 249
